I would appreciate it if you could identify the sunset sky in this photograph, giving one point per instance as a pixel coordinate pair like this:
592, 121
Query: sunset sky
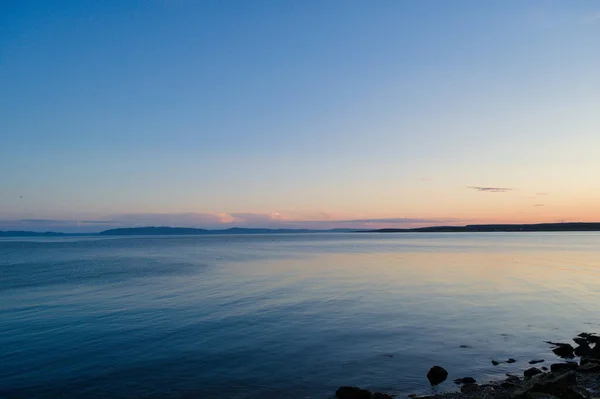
314, 114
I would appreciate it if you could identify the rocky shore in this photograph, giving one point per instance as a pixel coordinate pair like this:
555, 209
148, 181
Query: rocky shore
577, 377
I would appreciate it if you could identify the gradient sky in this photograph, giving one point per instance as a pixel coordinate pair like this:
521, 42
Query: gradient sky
298, 113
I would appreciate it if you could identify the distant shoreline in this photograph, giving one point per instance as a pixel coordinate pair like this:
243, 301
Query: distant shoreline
508, 228
475, 228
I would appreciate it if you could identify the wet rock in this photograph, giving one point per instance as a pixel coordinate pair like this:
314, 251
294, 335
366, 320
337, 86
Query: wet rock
352, 393
563, 366
586, 360
544, 368
596, 351
583, 350
580, 341
469, 388
536, 361
589, 368
511, 360
530, 372
564, 351
379, 395
437, 375
465, 380
495, 363
465, 346
590, 338
561, 385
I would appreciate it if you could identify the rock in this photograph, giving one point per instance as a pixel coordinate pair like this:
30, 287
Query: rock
495, 363
580, 341
590, 338
586, 360
511, 360
564, 351
544, 368
583, 350
465, 380
589, 368
513, 379
536, 361
379, 395
469, 388
437, 375
596, 350
561, 385
352, 393
465, 346
563, 366
530, 372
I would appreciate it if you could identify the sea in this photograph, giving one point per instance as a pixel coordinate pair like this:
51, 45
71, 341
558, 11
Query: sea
285, 315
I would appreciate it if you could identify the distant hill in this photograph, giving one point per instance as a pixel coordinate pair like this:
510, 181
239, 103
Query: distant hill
32, 234
193, 231
580, 226
152, 230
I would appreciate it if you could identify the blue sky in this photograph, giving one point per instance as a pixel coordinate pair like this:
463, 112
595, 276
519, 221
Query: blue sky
270, 113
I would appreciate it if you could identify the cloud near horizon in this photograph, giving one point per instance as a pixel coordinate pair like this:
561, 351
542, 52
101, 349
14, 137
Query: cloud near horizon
491, 189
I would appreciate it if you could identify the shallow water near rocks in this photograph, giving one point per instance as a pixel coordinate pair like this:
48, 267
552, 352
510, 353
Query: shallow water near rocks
285, 316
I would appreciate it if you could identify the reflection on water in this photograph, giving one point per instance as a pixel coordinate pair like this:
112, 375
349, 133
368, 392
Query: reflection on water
287, 315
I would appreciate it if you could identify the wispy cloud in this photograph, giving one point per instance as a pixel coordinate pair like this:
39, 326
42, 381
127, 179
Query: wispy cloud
542, 193
41, 221
399, 220
539, 205
491, 189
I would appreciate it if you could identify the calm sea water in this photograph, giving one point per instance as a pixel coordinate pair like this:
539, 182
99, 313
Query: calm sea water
284, 316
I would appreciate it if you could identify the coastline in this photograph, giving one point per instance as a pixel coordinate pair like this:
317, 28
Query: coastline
576, 377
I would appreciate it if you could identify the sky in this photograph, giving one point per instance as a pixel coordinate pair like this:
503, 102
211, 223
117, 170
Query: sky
312, 114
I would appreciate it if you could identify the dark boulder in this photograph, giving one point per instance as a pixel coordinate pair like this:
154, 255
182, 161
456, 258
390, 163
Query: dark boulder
596, 351
469, 388
511, 360
560, 385
495, 363
352, 393
589, 368
586, 360
583, 350
590, 338
531, 372
536, 361
563, 366
544, 368
580, 341
564, 351
465, 380
437, 375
